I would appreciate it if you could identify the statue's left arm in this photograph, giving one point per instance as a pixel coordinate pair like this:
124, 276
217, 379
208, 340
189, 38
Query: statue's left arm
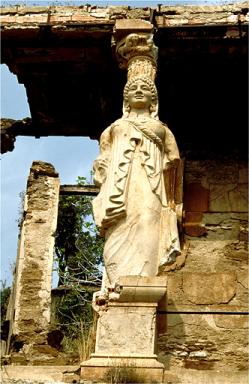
173, 173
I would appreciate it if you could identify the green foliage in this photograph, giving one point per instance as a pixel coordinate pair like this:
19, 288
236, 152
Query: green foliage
4, 294
78, 246
78, 251
73, 308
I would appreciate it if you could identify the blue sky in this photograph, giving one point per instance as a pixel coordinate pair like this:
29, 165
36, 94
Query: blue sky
71, 157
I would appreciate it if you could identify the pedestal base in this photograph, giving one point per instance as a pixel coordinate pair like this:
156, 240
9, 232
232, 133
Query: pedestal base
126, 334
133, 369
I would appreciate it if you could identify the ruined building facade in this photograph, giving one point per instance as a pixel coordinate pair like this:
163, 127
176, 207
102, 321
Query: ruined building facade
65, 57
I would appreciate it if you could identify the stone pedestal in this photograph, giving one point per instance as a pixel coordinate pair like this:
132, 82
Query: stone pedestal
126, 332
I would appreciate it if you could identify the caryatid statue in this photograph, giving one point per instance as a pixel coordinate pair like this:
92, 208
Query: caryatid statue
137, 172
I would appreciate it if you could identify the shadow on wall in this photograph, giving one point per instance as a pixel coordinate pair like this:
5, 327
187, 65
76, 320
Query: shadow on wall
176, 347
171, 335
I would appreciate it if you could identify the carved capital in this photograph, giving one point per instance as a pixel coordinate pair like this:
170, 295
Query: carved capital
138, 54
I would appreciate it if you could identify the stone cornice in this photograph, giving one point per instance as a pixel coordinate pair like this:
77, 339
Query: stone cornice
162, 16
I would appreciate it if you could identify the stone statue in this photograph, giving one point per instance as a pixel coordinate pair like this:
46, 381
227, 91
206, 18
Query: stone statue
137, 172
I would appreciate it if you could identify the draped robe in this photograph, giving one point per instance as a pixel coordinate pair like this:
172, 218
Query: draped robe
132, 209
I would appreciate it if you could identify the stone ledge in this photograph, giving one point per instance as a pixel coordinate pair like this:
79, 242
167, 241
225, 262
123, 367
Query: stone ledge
44, 373
53, 374
166, 16
191, 376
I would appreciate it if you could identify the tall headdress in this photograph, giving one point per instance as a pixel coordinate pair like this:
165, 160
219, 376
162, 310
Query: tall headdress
137, 53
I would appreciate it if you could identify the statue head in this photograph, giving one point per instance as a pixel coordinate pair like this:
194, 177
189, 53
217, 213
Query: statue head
153, 107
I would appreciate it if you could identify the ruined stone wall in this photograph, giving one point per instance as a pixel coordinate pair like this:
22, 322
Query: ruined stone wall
165, 16
208, 287
29, 313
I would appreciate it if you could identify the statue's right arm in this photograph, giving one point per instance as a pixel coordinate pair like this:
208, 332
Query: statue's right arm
100, 165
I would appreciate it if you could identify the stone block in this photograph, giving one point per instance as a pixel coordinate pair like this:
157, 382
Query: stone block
81, 17
32, 10
135, 370
142, 289
223, 172
48, 374
32, 19
2, 348
174, 290
243, 278
219, 199
60, 18
228, 198
231, 321
99, 15
8, 10
124, 27
238, 198
7, 19
193, 224
126, 330
224, 225
196, 198
133, 25
209, 288
243, 173
201, 288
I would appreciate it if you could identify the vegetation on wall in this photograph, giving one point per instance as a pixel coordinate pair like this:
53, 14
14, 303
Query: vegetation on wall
4, 297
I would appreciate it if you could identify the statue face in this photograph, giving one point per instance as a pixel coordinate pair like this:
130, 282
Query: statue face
139, 95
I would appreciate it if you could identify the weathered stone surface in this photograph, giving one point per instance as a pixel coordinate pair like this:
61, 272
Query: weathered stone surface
132, 25
243, 173
229, 198
198, 341
68, 373
2, 348
127, 331
206, 288
30, 313
136, 302
139, 370
212, 171
137, 192
48, 374
174, 289
209, 288
216, 255
231, 321
170, 15
224, 226
195, 341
